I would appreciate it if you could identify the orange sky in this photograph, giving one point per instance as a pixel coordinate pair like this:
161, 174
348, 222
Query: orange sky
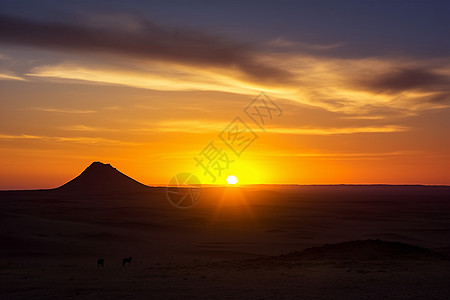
377, 119
152, 136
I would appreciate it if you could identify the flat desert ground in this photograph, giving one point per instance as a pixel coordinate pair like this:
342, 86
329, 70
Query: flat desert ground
236, 243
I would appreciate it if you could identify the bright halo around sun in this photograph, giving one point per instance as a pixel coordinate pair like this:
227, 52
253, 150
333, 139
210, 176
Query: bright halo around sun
231, 179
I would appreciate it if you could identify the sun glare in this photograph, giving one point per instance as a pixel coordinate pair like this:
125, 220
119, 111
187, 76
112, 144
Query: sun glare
232, 179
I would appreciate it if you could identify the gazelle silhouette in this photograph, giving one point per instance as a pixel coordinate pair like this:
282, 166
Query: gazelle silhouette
100, 262
127, 260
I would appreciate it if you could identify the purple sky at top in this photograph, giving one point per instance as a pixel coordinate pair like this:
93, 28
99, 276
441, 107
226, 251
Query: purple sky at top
365, 28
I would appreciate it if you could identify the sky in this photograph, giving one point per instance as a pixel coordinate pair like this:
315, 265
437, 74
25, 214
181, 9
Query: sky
273, 92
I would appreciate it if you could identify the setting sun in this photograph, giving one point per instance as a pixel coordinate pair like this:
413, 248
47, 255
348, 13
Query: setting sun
232, 179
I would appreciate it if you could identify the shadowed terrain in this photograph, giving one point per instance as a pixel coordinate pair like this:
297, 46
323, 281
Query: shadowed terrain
250, 241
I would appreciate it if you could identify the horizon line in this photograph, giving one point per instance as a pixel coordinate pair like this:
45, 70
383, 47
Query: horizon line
263, 184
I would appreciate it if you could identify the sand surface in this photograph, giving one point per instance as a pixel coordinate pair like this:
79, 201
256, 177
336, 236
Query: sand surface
51, 242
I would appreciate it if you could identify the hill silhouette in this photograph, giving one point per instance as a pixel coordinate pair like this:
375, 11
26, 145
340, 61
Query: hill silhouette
100, 178
363, 250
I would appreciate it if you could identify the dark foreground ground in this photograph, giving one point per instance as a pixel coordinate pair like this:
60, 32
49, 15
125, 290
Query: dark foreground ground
229, 246
300, 280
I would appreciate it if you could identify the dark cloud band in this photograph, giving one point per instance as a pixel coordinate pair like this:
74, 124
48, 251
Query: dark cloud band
147, 41
408, 79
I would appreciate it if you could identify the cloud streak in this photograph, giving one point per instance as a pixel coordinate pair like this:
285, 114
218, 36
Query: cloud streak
342, 130
205, 126
407, 79
349, 156
145, 40
389, 87
65, 111
4, 76
74, 139
173, 78
149, 56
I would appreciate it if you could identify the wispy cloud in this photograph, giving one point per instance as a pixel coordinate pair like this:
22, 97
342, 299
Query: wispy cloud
208, 126
349, 156
153, 57
80, 140
196, 126
343, 130
407, 79
87, 128
92, 140
143, 40
64, 110
18, 136
6, 76
333, 84
283, 42
363, 86
180, 79
187, 125
362, 117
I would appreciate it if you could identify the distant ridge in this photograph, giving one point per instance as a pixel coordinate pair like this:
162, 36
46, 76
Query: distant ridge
100, 178
351, 252
363, 250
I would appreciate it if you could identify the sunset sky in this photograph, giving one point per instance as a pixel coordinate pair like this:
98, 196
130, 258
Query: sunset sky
362, 90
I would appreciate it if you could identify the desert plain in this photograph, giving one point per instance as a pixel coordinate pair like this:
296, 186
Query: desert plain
246, 242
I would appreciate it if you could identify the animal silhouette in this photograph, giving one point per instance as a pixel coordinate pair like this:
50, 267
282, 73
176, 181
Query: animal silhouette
126, 260
100, 262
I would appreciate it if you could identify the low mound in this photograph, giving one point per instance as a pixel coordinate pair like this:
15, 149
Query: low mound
363, 250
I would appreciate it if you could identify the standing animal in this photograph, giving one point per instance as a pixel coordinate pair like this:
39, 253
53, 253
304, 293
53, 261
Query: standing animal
126, 260
100, 262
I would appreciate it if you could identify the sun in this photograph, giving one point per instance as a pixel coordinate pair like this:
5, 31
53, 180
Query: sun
232, 179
